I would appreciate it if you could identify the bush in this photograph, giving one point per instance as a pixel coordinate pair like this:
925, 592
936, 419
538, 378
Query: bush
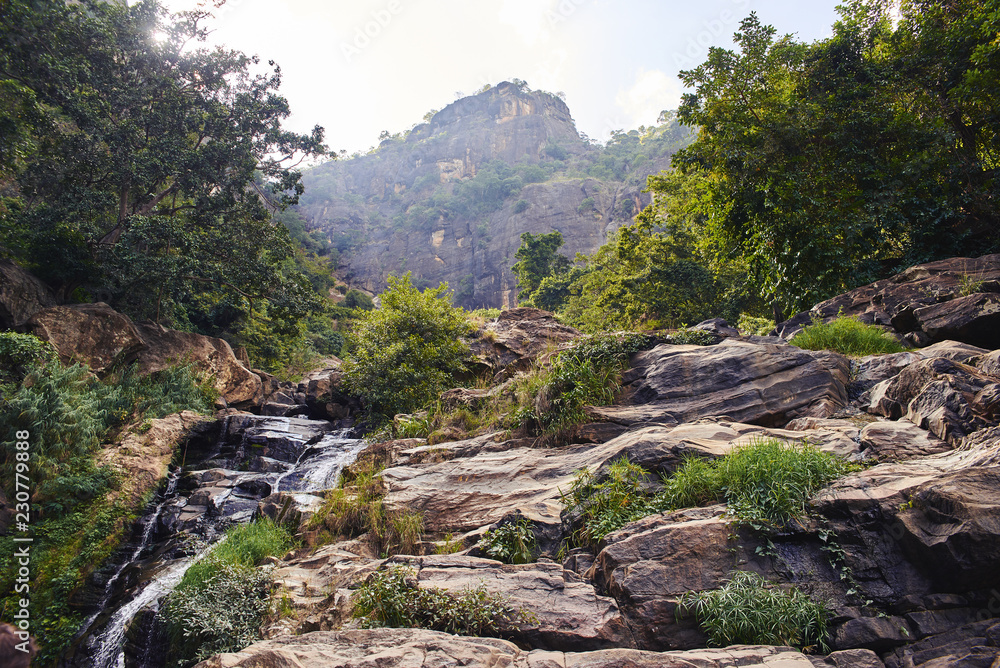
18, 353
222, 600
512, 542
693, 337
847, 336
407, 352
391, 597
748, 610
755, 326
609, 504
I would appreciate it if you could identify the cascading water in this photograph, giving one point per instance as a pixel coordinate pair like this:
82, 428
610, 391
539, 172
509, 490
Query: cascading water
309, 459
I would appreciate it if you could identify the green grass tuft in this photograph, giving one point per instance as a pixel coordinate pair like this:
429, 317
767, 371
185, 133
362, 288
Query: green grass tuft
847, 336
748, 610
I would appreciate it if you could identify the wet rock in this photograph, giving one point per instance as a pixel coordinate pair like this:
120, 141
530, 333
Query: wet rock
21, 295
754, 383
93, 334
897, 441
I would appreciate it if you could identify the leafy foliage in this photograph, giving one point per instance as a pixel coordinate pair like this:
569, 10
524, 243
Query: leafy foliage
748, 610
405, 353
511, 542
18, 353
847, 336
391, 597
222, 599
537, 259
765, 484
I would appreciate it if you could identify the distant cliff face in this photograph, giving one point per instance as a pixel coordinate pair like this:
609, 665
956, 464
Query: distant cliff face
449, 200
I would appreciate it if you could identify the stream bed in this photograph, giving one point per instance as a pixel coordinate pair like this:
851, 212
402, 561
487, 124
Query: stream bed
222, 483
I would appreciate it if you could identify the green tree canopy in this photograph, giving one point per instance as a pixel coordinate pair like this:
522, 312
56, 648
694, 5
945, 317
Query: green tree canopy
406, 352
536, 259
144, 167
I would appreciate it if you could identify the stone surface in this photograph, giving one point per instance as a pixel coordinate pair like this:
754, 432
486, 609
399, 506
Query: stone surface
897, 441
763, 384
92, 334
970, 646
21, 295
416, 648
212, 357
925, 303
949, 399
953, 350
517, 337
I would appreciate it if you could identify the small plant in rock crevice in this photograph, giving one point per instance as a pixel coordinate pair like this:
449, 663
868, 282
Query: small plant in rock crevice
847, 336
511, 542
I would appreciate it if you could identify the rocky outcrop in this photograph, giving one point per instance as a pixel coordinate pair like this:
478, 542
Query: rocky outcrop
92, 334
956, 299
211, 357
759, 383
516, 338
413, 648
21, 295
388, 210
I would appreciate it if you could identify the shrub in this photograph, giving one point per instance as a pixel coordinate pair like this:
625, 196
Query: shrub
407, 352
748, 610
391, 597
693, 337
512, 542
222, 599
847, 336
752, 325
18, 353
609, 504
521, 206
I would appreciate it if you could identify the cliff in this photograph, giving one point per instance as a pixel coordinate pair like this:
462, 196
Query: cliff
449, 199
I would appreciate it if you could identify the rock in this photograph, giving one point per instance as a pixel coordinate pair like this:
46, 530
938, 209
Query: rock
869, 371
953, 350
973, 319
897, 441
990, 364
948, 399
875, 633
924, 303
464, 397
418, 648
517, 337
209, 356
968, 646
850, 658
762, 384
21, 295
718, 327
92, 334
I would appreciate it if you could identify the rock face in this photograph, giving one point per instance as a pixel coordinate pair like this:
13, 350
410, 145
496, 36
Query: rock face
21, 295
378, 207
212, 357
924, 304
517, 337
93, 334
765, 384
412, 648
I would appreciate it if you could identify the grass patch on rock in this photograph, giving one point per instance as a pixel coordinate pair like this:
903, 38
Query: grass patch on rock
749, 610
847, 336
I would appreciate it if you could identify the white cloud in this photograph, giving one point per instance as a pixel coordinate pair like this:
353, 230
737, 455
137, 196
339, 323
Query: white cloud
652, 92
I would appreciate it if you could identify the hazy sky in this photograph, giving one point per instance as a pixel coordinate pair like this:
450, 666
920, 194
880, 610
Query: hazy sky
358, 67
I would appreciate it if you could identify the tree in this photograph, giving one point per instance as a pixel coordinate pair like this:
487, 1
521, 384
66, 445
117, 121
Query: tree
536, 259
409, 350
151, 171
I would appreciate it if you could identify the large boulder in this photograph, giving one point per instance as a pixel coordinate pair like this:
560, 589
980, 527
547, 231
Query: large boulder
163, 348
21, 295
517, 337
757, 383
949, 399
92, 334
926, 303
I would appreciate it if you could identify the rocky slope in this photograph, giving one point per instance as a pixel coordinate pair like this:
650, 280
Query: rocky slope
402, 207
903, 551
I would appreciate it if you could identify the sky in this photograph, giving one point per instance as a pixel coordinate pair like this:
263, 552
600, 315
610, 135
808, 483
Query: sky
358, 67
